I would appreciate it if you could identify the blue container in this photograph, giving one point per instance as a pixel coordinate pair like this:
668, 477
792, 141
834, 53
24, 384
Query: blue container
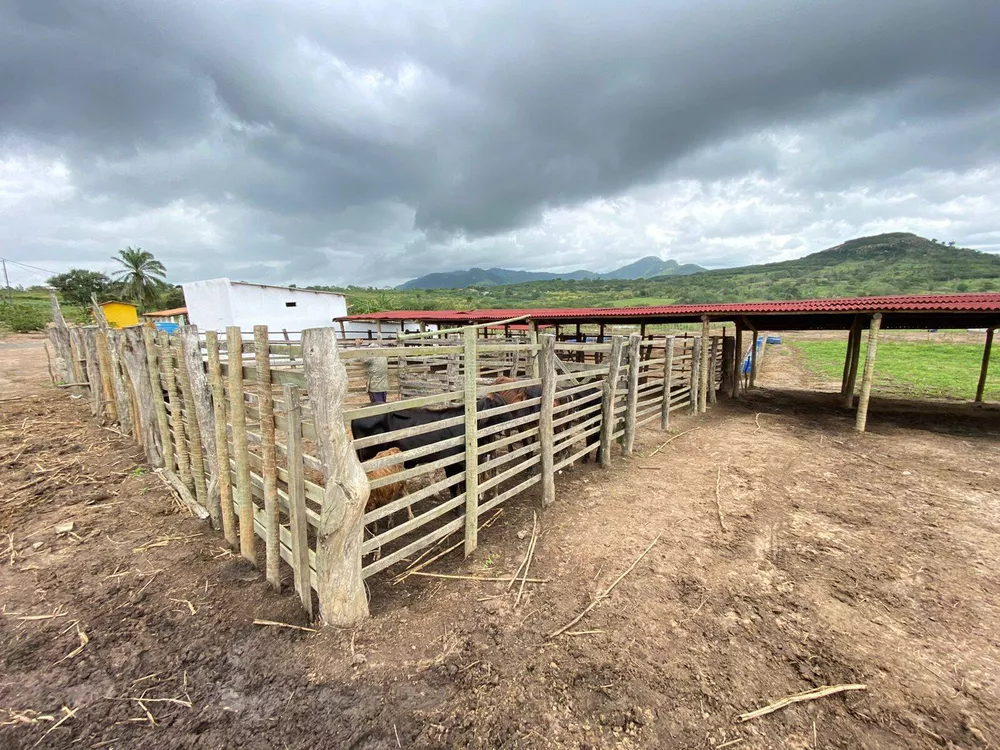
774, 339
170, 328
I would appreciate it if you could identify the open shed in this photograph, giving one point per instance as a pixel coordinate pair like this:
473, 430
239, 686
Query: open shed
852, 315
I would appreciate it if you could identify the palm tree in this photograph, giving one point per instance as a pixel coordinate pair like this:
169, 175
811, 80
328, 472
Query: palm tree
143, 276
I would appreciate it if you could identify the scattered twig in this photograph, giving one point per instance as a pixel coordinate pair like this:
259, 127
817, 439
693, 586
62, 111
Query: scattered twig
274, 623
607, 591
583, 632
679, 434
84, 640
477, 578
808, 695
718, 500
730, 743
68, 713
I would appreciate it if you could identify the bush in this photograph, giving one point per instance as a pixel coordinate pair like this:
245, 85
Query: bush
23, 318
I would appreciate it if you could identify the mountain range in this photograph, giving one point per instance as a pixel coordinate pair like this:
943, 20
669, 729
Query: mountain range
644, 268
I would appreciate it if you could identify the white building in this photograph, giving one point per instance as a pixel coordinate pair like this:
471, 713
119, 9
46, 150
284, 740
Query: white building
217, 303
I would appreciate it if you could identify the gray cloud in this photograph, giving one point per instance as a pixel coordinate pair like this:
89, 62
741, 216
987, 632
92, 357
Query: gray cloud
369, 142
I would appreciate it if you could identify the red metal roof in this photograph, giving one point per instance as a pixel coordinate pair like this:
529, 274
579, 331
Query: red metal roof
946, 303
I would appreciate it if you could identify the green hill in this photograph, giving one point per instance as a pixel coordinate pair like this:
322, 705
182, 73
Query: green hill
895, 263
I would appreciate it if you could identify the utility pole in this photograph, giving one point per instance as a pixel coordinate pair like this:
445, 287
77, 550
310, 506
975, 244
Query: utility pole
6, 281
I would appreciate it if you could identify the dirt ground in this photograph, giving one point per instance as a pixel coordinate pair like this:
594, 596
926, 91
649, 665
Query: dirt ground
789, 553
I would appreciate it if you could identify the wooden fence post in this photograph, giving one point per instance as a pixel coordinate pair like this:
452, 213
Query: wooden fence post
76, 353
471, 444
219, 420
115, 370
703, 365
668, 376
58, 334
181, 452
695, 374
265, 402
107, 380
137, 366
89, 336
533, 340
341, 590
297, 499
546, 436
632, 398
238, 414
610, 389
866, 379
192, 429
201, 401
153, 365
712, 361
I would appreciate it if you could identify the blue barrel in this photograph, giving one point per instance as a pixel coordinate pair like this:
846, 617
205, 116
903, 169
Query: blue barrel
166, 326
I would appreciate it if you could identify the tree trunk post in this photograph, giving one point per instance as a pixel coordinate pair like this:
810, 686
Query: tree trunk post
668, 378
110, 411
203, 411
695, 375
703, 365
219, 420
137, 365
610, 388
985, 368
124, 414
192, 428
533, 340
471, 444
265, 403
297, 523
734, 387
238, 416
157, 388
546, 436
59, 337
712, 362
181, 453
339, 583
632, 398
866, 379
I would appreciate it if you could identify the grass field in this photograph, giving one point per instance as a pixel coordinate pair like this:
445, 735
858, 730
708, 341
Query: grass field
911, 368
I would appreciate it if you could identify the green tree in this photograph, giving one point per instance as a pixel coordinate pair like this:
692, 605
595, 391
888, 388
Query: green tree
77, 284
142, 275
173, 297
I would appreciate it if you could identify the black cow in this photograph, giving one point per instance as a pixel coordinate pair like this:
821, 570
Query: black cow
404, 418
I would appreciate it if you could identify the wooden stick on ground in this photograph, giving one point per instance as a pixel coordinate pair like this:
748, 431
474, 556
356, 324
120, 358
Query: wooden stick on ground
808, 695
670, 441
606, 592
527, 562
718, 500
527, 552
457, 577
276, 624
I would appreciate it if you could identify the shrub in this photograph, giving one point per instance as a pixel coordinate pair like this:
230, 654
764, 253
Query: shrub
23, 318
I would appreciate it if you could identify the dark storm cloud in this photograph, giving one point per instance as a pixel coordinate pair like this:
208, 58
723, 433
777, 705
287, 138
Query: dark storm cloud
311, 139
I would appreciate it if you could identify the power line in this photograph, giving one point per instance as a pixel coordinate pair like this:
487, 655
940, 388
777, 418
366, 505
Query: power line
25, 265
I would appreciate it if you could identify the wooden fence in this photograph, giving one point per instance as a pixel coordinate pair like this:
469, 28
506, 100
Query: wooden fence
254, 434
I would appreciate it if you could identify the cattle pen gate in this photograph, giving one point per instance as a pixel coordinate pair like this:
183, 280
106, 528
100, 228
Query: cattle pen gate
253, 433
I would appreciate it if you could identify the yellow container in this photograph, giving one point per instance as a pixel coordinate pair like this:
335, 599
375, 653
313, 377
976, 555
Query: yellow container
120, 314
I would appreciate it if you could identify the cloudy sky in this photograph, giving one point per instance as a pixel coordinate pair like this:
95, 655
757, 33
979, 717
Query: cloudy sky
369, 142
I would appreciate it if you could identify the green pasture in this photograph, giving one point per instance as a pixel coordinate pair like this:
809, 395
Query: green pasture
911, 369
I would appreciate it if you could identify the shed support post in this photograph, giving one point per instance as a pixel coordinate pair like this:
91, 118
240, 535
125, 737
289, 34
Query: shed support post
343, 332
703, 365
847, 357
668, 375
632, 400
712, 360
753, 356
339, 536
546, 438
608, 405
734, 387
866, 379
471, 445
695, 374
986, 365
852, 374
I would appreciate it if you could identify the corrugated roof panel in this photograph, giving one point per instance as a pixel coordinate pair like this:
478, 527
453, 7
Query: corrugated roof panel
954, 303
